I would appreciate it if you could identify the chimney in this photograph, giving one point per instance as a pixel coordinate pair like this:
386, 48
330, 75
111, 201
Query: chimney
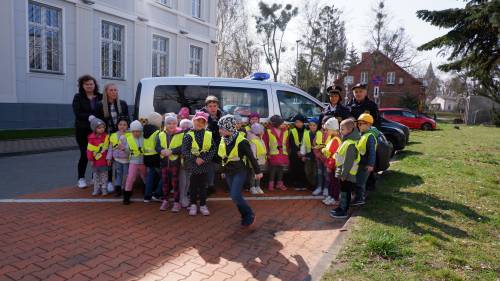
365, 56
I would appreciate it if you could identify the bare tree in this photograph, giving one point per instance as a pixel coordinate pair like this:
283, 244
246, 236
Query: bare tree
272, 23
310, 43
227, 20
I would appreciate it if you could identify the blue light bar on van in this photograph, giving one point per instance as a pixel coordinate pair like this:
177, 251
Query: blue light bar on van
261, 76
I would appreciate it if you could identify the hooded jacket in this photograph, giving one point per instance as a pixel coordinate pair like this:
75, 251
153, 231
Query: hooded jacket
151, 161
342, 171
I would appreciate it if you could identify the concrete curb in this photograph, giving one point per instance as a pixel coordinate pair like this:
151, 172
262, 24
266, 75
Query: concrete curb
332, 252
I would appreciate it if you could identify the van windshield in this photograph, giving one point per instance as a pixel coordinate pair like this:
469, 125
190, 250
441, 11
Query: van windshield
233, 100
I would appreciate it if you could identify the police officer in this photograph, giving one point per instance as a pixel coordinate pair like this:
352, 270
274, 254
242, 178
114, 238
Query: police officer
335, 108
362, 104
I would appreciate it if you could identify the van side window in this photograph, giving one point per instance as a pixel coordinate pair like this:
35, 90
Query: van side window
292, 104
242, 101
170, 98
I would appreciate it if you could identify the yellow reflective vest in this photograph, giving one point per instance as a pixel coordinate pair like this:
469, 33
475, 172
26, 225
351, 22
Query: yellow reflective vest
175, 142
99, 149
273, 143
150, 144
205, 147
260, 147
233, 154
305, 138
114, 140
135, 150
364, 140
341, 154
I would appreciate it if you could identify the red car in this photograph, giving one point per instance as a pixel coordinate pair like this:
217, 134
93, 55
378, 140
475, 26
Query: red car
408, 118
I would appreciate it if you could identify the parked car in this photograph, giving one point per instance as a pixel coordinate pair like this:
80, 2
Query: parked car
403, 128
408, 118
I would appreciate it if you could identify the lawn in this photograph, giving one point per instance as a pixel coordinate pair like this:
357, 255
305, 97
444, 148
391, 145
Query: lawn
36, 133
434, 215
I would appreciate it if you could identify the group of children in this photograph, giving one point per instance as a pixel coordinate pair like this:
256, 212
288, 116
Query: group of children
171, 154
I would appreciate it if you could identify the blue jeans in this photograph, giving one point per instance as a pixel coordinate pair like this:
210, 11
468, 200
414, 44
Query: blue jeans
235, 183
153, 176
361, 178
121, 171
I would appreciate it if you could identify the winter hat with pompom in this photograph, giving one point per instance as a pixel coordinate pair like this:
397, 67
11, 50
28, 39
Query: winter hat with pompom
136, 126
95, 122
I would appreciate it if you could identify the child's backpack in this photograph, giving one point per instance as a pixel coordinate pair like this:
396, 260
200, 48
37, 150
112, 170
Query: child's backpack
384, 152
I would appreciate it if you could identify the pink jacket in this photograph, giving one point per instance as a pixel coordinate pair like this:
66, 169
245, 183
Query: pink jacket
95, 140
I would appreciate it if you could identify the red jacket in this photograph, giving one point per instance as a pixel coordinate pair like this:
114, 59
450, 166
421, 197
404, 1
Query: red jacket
330, 161
95, 140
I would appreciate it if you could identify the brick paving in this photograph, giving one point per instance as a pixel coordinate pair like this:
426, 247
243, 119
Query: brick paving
37, 145
110, 241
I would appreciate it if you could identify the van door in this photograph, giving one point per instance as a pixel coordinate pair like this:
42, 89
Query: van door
291, 103
243, 98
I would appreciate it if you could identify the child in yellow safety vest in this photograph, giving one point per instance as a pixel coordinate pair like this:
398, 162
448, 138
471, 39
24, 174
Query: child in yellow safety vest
276, 139
297, 156
312, 166
169, 145
97, 148
151, 130
198, 149
259, 150
117, 158
346, 161
332, 143
185, 125
134, 146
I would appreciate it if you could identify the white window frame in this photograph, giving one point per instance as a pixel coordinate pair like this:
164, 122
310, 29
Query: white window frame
159, 54
196, 9
112, 43
167, 3
193, 60
391, 78
44, 29
364, 77
401, 80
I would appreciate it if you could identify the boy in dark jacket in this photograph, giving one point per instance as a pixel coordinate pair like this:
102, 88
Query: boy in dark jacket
152, 158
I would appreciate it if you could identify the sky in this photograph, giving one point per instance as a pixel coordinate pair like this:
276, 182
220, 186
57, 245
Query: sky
358, 15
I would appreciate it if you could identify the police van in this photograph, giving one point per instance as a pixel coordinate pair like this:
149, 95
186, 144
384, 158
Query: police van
236, 96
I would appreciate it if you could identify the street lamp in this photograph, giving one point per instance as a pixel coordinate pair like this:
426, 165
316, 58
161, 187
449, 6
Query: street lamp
297, 65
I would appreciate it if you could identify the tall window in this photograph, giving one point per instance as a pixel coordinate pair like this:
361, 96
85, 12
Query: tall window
196, 57
160, 56
196, 8
391, 78
364, 78
112, 52
45, 38
165, 2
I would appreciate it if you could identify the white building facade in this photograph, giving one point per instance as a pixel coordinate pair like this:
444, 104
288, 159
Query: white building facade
45, 45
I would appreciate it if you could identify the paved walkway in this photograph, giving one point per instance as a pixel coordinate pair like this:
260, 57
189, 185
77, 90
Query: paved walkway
71, 240
37, 145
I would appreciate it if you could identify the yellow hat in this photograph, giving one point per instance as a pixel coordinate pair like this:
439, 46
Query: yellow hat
366, 118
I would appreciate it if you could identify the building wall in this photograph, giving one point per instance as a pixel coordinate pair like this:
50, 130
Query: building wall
377, 64
31, 99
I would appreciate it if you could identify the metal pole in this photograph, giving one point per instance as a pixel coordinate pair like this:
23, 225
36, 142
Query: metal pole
297, 66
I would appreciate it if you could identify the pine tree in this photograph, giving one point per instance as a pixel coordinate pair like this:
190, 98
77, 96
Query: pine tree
472, 42
352, 57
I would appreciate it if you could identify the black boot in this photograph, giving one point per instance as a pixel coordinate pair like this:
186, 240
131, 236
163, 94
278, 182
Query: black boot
126, 197
210, 190
341, 211
118, 191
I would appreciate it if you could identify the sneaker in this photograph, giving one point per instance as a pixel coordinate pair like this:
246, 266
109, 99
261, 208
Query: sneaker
176, 208
193, 210
146, 201
330, 202
104, 192
270, 186
358, 202
281, 186
325, 192
164, 205
338, 213
204, 210
184, 204
96, 192
155, 199
254, 190
327, 198
110, 187
317, 191
82, 183
259, 190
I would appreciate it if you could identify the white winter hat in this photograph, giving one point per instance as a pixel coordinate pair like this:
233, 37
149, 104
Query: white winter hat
136, 126
155, 119
186, 124
331, 124
170, 117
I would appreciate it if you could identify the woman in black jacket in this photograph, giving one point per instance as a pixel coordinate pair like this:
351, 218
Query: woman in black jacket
335, 108
112, 108
236, 154
84, 105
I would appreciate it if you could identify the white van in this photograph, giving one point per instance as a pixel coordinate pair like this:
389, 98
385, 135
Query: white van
236, 96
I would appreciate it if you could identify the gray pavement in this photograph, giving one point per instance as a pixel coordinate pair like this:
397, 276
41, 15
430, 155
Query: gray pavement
37, 145
27, 174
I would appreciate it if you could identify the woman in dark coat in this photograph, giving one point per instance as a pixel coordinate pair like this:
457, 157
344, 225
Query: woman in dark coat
335, 108
112, 108
84, 105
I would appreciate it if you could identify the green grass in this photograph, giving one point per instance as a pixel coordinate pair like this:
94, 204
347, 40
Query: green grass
36, 133
434, 215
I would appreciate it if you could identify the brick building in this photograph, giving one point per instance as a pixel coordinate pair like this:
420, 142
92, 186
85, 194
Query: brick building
388, 84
